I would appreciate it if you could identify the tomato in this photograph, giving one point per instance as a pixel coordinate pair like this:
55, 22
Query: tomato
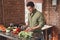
16, 31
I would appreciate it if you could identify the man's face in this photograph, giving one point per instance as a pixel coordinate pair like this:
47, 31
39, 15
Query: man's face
30, 9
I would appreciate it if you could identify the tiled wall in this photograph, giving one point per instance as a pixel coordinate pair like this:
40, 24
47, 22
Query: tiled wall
1, 16
52, 16
13, 11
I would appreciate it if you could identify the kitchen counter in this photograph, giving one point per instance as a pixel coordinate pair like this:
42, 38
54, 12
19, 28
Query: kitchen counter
9, 36
12, 36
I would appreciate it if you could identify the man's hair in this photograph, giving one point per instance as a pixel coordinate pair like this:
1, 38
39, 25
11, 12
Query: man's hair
30, 4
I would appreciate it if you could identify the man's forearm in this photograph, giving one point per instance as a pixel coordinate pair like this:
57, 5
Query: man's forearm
36, 27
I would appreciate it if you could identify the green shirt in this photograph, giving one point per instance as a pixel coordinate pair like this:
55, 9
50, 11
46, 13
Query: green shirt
36, 18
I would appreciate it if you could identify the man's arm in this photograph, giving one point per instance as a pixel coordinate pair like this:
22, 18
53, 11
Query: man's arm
41, 22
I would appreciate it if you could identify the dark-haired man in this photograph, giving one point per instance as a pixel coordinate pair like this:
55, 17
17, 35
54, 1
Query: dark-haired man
35, 20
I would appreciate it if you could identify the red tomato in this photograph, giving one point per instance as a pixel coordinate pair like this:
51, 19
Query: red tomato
17, 30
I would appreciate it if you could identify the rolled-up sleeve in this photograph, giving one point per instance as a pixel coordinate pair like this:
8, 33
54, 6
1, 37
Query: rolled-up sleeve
41, 20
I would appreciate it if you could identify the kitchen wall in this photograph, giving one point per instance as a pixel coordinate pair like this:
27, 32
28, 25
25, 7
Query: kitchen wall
1, 15
52, 17
13, 11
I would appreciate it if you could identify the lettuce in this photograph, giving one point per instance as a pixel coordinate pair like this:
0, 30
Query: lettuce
25, 34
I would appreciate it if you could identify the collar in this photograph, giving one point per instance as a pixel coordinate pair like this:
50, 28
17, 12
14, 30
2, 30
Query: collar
34, 11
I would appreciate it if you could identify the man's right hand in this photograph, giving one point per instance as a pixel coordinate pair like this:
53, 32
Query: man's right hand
28, 29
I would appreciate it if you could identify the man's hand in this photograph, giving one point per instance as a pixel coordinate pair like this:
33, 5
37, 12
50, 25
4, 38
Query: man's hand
28, 29
32, 28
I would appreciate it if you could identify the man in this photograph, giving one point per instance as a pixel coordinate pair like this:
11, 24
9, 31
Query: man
35, 20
